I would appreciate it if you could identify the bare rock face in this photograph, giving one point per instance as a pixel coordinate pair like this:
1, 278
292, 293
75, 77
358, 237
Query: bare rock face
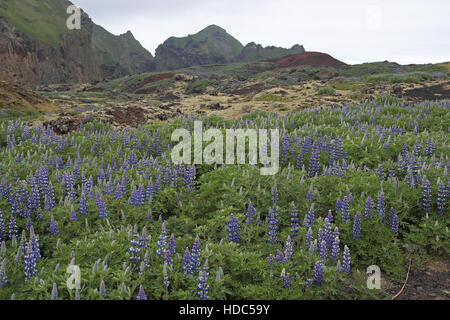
25, 61
64, 125
81, 56
15, 97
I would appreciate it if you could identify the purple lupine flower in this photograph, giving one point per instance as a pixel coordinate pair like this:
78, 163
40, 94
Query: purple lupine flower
318, 273
187, 263
250, 213
172, 245
426, 192
13, 230
203, 287
140, 195
288, 249
133, 160
330, 217
141, 295
54, 292
299, 164
83, 204
392, 172
150, 214
2, 226
3, 276
284, 148
417, 148
30, 263
287, 279
53, 227
69, 184
109, 188
328, 233
394, 224
234, 227
357, 226
310, 218
73, 215
309, 238
320, 236
381, 204
294, 221
274, 193
345, 210
368, 208
430, 148
49, 197
166, 280
338, 149
162, 242
35, 198
134, 252
391, 216
310, 194
309, 283
102, 209
323, 250
273, 225
442, 196
335, 249
103, 289
380, 171
271, 261
314, 168
118, 193
405, 151
195, 256
346, 261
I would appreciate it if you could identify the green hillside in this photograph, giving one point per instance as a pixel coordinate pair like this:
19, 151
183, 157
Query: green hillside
209, 46
124, 49
43, 20
253, 52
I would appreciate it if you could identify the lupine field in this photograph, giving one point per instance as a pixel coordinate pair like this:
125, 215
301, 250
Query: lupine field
362, 185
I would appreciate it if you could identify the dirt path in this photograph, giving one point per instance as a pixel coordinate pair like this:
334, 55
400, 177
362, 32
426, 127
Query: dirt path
432, 282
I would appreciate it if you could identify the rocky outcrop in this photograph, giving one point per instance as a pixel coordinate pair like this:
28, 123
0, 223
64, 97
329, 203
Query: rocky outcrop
314, 59
15, 97
86, 55
212, 45
255, 52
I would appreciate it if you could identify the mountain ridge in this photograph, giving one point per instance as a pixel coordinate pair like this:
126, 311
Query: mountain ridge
58, 55
36, 48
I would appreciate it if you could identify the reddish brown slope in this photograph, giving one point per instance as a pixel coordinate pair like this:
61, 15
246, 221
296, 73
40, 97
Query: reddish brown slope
315, 59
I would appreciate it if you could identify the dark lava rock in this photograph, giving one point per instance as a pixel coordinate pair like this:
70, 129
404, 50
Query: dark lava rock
217, 106
397, 89
63, 125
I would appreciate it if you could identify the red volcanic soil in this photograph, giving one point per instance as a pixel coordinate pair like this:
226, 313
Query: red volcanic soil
315, 59
151, 79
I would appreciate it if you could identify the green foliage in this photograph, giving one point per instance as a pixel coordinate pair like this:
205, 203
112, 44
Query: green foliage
198, 86
101, 247
271, 97
413, 77
326, 91
43, 20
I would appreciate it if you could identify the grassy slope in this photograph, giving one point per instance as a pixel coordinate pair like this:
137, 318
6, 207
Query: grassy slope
211, 41
252, 53
112, 49
43, 20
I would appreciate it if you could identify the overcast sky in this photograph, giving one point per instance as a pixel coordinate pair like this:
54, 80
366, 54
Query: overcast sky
354, 31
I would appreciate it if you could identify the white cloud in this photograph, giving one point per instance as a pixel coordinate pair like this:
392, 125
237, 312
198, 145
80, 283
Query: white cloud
411, 31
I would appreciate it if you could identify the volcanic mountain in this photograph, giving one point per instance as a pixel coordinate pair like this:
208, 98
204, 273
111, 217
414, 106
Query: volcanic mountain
315, 59
36, 47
